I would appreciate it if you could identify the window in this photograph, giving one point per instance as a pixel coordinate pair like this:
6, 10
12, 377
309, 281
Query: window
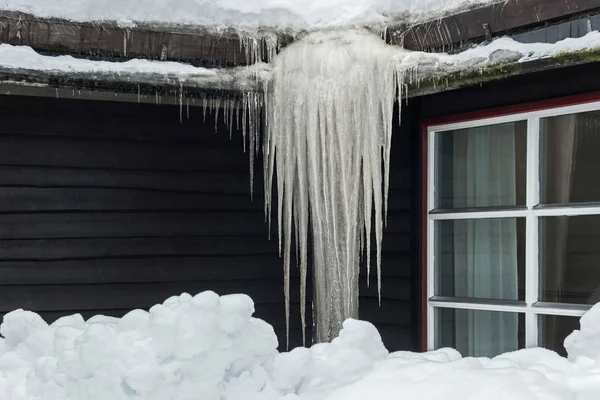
513, 229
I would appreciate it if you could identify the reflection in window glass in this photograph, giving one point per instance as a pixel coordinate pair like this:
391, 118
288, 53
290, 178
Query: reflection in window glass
477, 333
481, 167
569, 158
481, 258
570, 259
553, 330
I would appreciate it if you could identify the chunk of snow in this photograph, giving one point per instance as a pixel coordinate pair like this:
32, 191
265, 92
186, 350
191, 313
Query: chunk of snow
585, 343
211, 348
291, 13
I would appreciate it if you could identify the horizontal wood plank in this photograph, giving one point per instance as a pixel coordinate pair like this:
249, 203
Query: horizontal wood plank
226, 182
397, 337
169, 269
208, 245
131, 224
392, 288
370, 310
135, 247
83, 153
23, 199
151, 224
142, 270
193, 128
126, 295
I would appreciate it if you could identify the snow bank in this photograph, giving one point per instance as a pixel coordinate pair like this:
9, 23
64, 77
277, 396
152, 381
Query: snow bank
201, 347
209, 347
291, 13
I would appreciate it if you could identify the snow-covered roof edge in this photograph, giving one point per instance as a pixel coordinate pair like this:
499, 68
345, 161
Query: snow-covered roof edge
226, 46
424, 72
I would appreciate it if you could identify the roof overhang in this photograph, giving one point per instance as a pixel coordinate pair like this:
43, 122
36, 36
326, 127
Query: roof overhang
229, 48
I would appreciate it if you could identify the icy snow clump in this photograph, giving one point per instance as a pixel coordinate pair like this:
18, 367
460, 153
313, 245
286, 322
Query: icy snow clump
585, 343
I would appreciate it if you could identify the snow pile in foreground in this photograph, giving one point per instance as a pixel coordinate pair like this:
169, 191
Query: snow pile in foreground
291, 13
209, 347
201, 347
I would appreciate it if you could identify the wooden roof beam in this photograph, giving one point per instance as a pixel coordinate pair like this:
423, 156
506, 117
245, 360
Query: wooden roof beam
194, 45
493, 20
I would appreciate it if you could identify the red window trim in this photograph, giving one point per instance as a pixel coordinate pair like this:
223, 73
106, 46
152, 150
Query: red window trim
465, 117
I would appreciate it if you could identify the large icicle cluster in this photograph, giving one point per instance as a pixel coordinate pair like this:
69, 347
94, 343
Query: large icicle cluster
327, 141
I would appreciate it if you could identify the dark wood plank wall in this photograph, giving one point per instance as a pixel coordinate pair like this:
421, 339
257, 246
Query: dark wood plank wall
105, 207
397, 317
513, 91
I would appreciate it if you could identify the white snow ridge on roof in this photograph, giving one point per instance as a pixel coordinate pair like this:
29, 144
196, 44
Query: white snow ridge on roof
277, 13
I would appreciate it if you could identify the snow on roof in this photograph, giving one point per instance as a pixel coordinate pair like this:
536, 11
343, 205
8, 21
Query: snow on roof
418, 65
24, 60
291, 13
500, 51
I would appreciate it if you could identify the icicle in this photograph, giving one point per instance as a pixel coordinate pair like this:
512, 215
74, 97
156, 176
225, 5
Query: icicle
232, 104
327, 133
244, 118
181, 102
56, 93
216, 106
187, 105
125, 42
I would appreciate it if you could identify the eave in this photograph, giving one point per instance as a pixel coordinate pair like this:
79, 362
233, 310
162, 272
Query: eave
227, 48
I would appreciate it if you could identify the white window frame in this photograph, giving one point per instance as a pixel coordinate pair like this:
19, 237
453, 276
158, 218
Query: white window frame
532, 307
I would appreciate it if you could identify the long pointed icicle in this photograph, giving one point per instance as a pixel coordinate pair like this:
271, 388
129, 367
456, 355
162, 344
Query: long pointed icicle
328, 136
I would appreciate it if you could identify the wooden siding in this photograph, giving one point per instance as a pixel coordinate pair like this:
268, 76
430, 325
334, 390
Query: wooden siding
397, 318
106, 207
513, 91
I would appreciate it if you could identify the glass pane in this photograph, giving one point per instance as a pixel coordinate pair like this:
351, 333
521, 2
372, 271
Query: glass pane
481, 167
554, 329
570, 259
477, 333
569, 158
481, 258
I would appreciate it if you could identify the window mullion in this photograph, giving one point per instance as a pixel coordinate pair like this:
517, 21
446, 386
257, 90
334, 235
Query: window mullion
430, 271
532, 231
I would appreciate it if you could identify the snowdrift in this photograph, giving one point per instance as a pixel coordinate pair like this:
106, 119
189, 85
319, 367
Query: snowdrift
210, 347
